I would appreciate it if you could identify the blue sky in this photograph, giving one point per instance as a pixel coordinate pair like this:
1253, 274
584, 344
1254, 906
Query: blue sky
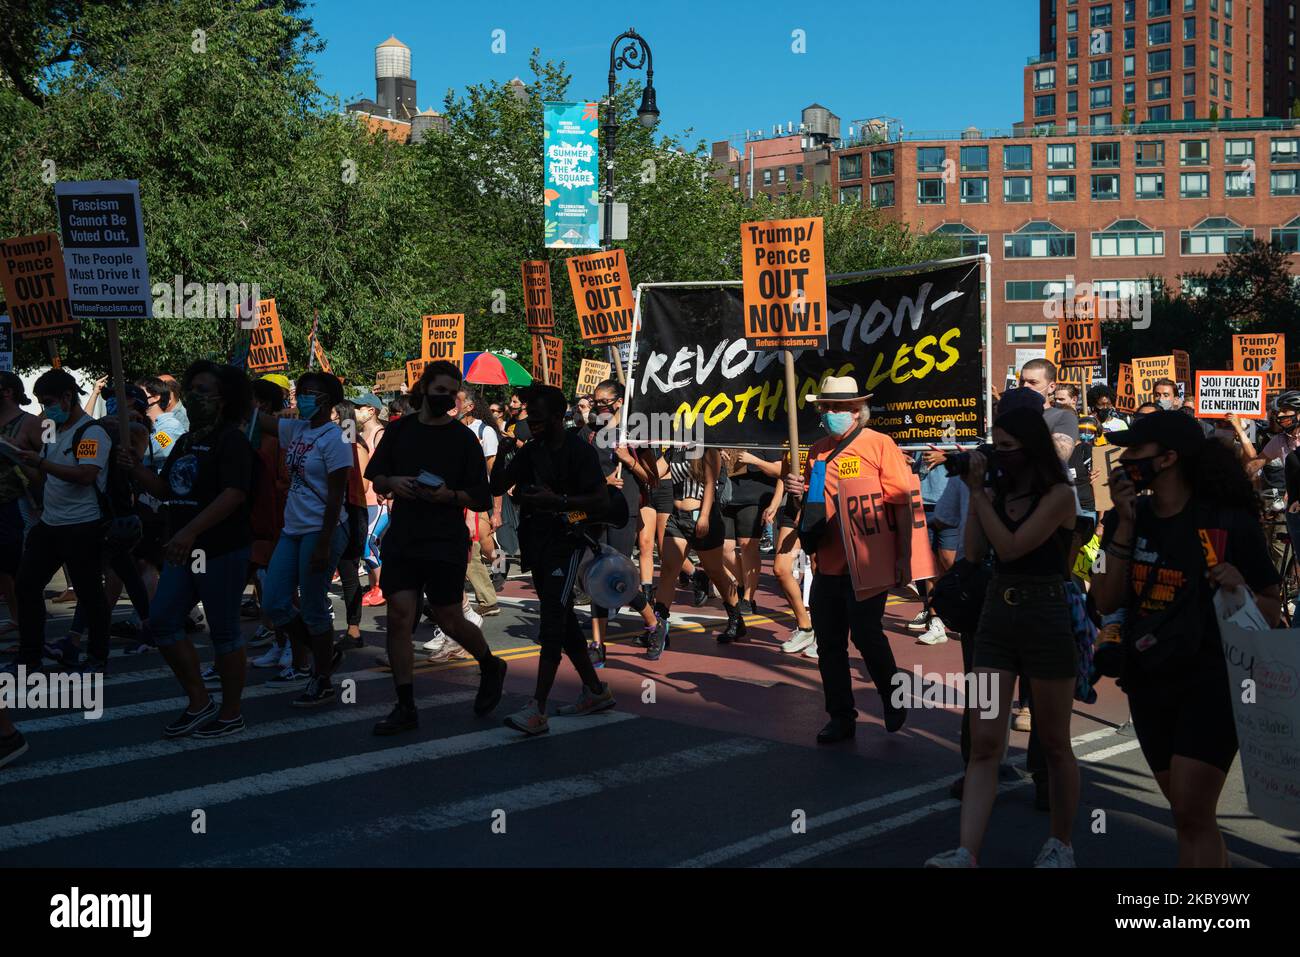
719, 67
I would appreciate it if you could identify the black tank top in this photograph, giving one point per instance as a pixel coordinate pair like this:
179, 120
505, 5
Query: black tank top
1047, 559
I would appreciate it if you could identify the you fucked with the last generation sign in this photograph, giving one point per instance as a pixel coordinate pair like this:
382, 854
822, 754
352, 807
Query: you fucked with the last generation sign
103, 249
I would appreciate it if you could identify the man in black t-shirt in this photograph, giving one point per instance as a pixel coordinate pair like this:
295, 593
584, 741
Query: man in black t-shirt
558, 482
434, 468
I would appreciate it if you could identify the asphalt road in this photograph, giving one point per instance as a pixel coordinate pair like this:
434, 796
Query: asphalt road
708, 760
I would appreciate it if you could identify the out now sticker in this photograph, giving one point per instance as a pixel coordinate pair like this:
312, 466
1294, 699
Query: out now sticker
87, 448
163, 439
850, 467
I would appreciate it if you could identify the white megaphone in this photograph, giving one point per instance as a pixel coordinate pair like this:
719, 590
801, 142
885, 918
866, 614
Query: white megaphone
609, 578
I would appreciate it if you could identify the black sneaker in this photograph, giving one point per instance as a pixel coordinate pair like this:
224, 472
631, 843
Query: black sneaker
683, 580
491, 685
94, 665
193, 627
699, 588
399, 719
336, 659
319, 691
348, 641
12, 748
125, 630
656, 639
188, 722
220, 727
736, 629
289, 676
744, 607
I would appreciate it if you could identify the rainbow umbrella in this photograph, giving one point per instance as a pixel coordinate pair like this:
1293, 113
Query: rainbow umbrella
491, 368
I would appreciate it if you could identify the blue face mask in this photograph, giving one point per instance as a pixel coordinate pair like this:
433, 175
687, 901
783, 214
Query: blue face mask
838, 423
56, 414
307, 406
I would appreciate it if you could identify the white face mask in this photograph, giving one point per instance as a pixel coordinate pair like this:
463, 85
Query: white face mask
1165, 404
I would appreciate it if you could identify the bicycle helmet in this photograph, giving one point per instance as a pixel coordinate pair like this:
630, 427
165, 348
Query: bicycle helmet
1288, 401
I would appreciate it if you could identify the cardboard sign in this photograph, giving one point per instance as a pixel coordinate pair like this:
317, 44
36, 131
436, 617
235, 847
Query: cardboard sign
414, 369
1262, 352
391, 380
539, 313
870, 535
602, 296
1052, 347
1080, 342
36, 285
554, 360
1104, 460
6, 345
591, 374
1125, 397
103, 249
783, 264
266, 352
1147, 371
444, 338
1182, 371
1221, 393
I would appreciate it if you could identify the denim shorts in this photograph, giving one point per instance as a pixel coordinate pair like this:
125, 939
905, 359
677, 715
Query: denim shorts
218, 583
1025, 628
290, 573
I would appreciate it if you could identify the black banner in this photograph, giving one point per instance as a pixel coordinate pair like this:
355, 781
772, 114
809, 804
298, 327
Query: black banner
912, 341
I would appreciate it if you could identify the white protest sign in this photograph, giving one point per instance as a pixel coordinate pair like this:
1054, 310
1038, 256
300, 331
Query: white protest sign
1219, 394
103, 249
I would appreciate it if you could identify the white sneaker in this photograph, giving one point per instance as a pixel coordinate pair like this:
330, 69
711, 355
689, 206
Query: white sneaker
936, 634
957, 857
269, 658
474, 618
811, 651
799, 639
439, 639
1055, 854
450, 651
286, 656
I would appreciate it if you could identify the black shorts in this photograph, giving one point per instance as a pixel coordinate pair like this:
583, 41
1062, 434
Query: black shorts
743, 521
787, 516
1187, 715
443, 583
661, 497
11, 541
681, 525
1025, 628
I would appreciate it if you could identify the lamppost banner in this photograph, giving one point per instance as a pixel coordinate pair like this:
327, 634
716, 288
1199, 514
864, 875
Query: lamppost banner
571, 181
912, 340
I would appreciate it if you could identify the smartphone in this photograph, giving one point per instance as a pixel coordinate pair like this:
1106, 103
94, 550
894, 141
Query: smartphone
429, 479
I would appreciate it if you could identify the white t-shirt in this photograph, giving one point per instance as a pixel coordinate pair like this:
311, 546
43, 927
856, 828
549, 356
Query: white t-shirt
1279, 446
487, 438
67, 503
310, 455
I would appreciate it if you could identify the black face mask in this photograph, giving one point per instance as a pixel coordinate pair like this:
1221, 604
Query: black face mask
1009, 462
439, 403
1102, 414
1141, 472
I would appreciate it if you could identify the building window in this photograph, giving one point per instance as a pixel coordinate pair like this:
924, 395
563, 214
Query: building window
1099, 16
974, 159
1158, 62
1189, 56
1239, 183
1127, 237
882, 163
1194, 153
1017, 157
1072, 104
974, 189
1060, 189
851, 166
1072, 21
1130, 11
1071, 74
1158, 89
1284, 182
1150, 186
1060, 156
1216, 236
1284, 151
1038, 240
1130, 38
1227, 62
1194, 185
798, 174
1099, 96
929, 192
1105, 155
1018, 189
767, 177
1189, 110
780, 174
1033, 290
851, 195
969, 242
1158, 114
1045, 105
1287, 238
1214, 58
1020, 333
1238, 151
1045, 78
1071, 48
882, 194
1149, 153
929, 159
1189, 84
1158, 34
1099, 70
1157, 8
1130, 64
1105, 186
1189, 28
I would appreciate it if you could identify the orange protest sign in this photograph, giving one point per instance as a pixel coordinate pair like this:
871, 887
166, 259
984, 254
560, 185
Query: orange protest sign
1262, 352
554, 360
1125, 398
414, 369
602, 295
783, 264
36, 286
539, 313
1183, 370
444, 338
266, 352
1079, 341
1147, 371
1052, 347
591, 373
869, 529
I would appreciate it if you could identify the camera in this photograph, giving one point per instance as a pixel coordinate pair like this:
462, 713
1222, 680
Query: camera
957, 464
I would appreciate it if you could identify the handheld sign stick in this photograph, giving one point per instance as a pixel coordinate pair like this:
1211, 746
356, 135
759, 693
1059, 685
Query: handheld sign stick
119, 383
791, 406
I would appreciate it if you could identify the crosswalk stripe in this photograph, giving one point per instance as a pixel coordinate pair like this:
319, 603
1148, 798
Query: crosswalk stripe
479, 809
740, 848
92, 820
343, 714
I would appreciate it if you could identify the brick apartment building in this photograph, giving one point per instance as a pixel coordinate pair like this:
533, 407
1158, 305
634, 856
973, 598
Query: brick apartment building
783, 161
1109, 207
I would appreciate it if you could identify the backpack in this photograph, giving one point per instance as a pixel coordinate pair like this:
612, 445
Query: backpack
120, 528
